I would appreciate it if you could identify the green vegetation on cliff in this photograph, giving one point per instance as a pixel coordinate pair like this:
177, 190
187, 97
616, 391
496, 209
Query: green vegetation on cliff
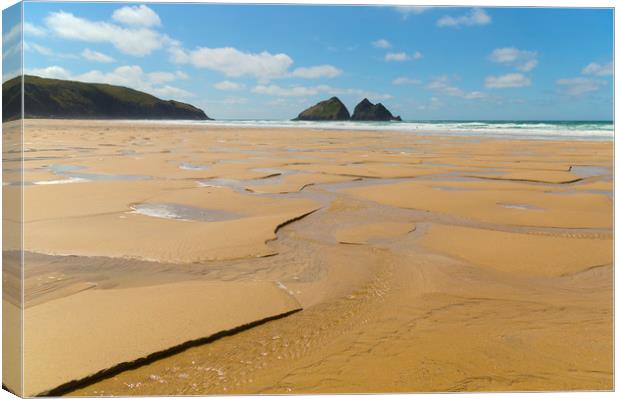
63, 99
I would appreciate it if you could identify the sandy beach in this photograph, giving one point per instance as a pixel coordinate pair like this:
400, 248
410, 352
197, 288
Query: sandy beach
332, 261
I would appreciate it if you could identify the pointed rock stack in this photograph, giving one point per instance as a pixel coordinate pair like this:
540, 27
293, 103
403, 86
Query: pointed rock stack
328, 110
367, 111
334, 110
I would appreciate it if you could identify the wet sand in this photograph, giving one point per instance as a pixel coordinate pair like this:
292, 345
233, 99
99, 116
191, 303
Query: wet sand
420, 263
117, 324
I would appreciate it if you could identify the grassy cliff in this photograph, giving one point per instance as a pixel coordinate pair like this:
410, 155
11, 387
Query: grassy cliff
54, 98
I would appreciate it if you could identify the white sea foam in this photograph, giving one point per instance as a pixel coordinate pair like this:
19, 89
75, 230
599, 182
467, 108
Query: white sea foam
182, 212
61, 181
193, 166
156, 211
519, 206
576, 130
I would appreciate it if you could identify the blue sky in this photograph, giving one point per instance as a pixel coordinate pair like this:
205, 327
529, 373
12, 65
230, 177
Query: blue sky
271, 62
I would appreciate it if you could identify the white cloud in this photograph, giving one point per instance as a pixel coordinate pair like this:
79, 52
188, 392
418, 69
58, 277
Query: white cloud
178, 55
474, 95
577, 87
307, 91
34, 30
38, 49
227, 85
162, 77
169, 92
235, 100
52, 72
133, 41
476, 16
278, 102
12, 50
406, 11
233, 62
528, 66
441, 84
403, 80
293, 91
381, 43
397, 57
47, 52
598, 70
236, 63
12, 35
126, 75
523, 60
96, 56
131, 76
11, 41
139, 40
402, 56
315, 72
507, 81
182, 75
434, 103
136, 16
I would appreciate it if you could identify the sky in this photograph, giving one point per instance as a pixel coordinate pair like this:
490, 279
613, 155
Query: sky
273, 61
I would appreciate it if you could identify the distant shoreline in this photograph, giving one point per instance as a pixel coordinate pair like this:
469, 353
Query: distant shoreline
537, 130
514, 130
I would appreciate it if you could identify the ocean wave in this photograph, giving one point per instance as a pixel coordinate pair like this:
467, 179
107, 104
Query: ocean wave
584, 130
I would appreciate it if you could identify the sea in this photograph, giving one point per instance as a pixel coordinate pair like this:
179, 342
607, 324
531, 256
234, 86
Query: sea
548, 129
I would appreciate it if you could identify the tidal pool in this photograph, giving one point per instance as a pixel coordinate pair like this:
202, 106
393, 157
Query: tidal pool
182, 212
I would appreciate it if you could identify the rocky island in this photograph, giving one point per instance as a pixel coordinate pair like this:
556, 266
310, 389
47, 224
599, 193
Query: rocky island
328, 110
334, 110
64, 99
367, 111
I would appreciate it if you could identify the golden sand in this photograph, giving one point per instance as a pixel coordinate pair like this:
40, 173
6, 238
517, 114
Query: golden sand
67, 229
95, 329
543, 254
365, 233
516, 206
479, 265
